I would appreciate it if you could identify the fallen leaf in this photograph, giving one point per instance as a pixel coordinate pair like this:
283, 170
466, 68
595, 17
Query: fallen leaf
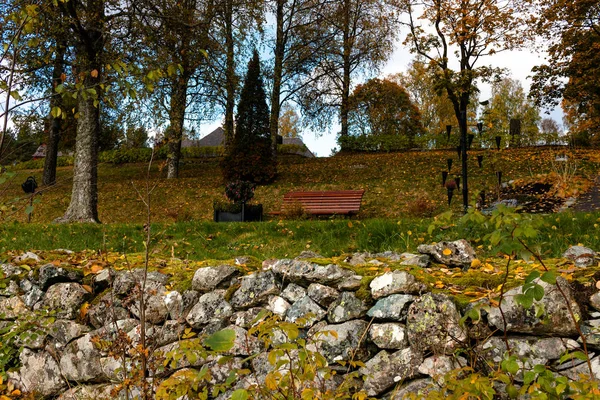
447, 252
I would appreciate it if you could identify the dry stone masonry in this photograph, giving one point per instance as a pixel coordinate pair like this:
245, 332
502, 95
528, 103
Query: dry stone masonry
405, 336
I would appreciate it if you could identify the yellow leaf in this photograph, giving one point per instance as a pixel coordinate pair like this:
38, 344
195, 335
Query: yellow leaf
88, 288
84, 310
447, 252
94, 73
350, 224
3, 397
96, 268
15, 392
475, 263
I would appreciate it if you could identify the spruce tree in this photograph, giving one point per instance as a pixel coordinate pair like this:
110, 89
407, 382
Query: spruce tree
249, 156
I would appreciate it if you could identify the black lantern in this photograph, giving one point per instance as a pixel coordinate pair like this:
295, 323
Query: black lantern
498, 139
458, 152
480, 161
457, 182
470, 140
444, 177
482, 197
499, 176
449, 161
450, 194
480, 128
448, 131
29, 185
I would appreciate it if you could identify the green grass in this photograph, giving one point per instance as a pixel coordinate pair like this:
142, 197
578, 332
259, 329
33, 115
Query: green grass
207, 240
396, 185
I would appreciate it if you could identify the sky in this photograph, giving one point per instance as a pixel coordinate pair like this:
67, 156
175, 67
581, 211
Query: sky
518, 63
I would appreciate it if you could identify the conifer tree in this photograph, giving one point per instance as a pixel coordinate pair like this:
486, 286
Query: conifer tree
249, 157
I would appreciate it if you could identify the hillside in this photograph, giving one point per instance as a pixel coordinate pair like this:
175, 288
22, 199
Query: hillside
396, 184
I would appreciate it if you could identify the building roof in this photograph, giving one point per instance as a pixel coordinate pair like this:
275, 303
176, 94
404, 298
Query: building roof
217, 138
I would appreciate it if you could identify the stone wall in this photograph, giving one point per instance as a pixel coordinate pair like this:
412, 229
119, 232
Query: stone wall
404, 336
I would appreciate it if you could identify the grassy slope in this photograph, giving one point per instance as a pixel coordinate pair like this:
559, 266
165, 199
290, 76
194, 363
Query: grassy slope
393, 183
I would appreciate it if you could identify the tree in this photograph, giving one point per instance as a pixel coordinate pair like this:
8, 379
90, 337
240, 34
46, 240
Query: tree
509, 101
471, 29
435, 108
382, 107
360, 37
550, 132
289, 123
249, 156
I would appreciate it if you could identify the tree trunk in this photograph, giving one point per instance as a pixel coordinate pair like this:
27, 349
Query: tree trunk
89, 61
176, 119
230, 73
277, 74
49, 175
347, 52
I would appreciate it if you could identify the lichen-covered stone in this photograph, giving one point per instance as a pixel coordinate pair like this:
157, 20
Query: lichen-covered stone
433, 324
390, 336
65, 299
395, 282
421, 260
555, 319
8, 270
323, 295
28, 258
40, 374
439, 365
345, 344
278, 306
250, 317
385, 370
104, 391
581, 256
50, 274
418, 387
306, 309
208, 278
103, 279
105, 309
392, 308
64, 331
255, 289
155, 308
80, 362
244, 343
304, 273
210, 306
126, 281
11, 308
293, 292
346, 308
453, 254
350, 283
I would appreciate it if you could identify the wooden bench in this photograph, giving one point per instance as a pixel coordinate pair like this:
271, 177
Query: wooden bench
340, 202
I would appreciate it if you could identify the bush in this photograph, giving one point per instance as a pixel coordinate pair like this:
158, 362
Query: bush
240, 191
374, 143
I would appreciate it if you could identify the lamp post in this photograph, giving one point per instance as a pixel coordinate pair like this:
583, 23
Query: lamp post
463, 150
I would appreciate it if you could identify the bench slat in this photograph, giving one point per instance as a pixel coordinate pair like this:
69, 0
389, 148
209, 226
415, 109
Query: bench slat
324, 202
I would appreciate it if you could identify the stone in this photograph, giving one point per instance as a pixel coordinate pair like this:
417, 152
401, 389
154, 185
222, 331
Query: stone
346, 344
156, 309
595, 300
385, 370
393, 308
418, 387
357, 259
9, 270
421, 261
171, 350
33, 296
555, 319
396, 282
104, 309
389, 336
10, 289
255, 289
28, 258
307, 309
278, 306
12, 308
439, 365
581, 256
105, 391
244, 344
433, 324
174, 303
293, 292
346, 308
103, 279
306, 254
323, 295
458, 253
189, 298
350, 283
126, 281
210, 306
583, 369
64, 331
208, 278
40, 374
530, 351
304, 273
80, 362
249, 318
50, 274
167, 333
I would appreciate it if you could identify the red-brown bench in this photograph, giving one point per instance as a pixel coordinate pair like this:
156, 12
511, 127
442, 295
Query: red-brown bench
339, 202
